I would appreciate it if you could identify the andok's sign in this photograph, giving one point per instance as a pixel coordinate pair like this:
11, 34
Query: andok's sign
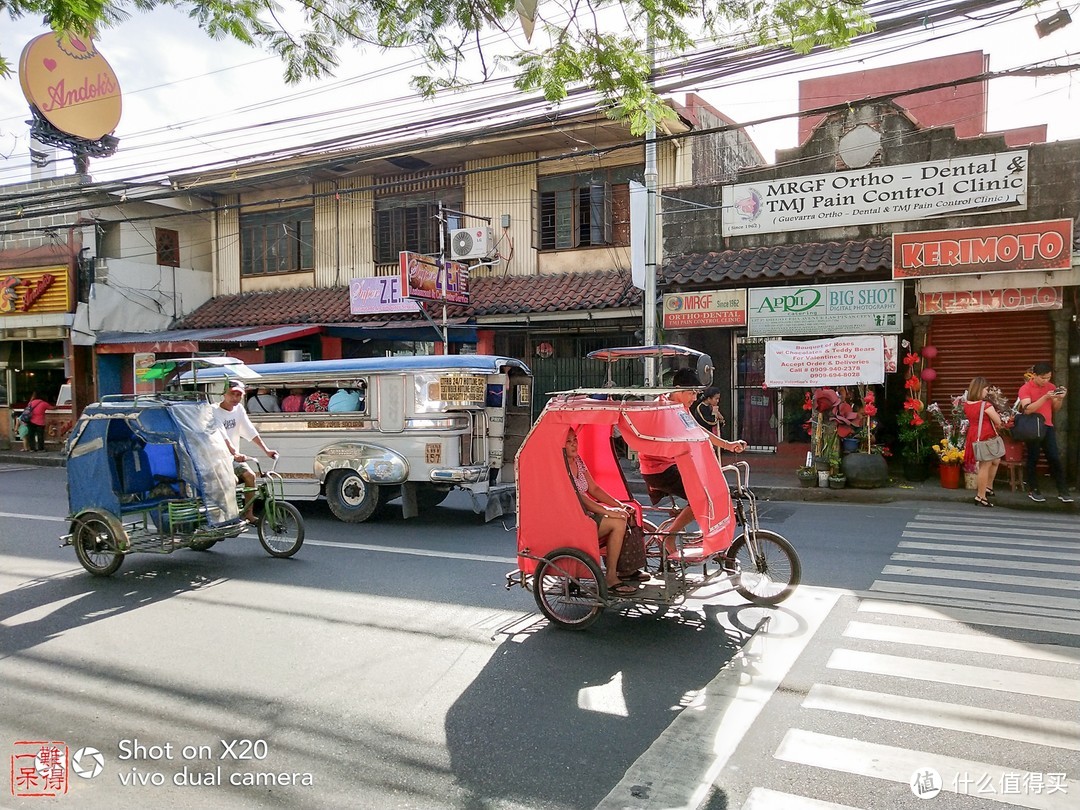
992, 182
989, 249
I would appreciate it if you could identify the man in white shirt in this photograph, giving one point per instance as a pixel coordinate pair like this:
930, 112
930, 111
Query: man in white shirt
233, 420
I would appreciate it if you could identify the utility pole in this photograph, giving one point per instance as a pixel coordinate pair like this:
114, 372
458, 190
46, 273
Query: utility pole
651, 182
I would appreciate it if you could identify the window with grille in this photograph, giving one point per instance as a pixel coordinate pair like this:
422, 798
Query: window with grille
167, 243
277, 242
409, 222
587, 209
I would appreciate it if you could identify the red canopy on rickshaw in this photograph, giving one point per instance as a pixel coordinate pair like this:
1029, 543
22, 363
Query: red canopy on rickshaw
549, 513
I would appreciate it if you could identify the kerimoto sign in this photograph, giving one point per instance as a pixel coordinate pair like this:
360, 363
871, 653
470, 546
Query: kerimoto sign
989, 249
826, 309
698, 310
65, 78
994, 182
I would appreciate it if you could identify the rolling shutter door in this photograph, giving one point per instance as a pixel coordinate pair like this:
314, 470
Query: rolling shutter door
1000, 346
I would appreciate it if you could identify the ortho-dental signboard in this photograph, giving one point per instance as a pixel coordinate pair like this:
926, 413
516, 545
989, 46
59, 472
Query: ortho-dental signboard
989, 249
995, 182
698, 310
826, 309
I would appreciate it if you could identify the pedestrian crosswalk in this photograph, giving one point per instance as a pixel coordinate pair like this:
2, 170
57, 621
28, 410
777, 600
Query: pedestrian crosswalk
956, 677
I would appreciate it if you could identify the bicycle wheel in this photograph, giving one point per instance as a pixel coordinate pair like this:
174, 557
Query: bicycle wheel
566, 586
96, 545
767, 567
283, 534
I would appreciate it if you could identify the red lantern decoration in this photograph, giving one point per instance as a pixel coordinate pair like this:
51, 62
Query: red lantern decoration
929, 352
928, 374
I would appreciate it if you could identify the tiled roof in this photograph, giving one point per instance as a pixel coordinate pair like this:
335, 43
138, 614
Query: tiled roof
780, 262
571, 292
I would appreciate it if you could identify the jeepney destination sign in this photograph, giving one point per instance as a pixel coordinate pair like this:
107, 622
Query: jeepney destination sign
826, 309
994, 182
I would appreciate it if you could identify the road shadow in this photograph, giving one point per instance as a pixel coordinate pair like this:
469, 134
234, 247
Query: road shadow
557, 717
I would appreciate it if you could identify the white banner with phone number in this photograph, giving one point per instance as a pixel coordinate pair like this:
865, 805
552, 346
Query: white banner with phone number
853, 360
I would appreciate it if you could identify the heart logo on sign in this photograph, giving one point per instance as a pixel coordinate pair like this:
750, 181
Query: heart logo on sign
50, 64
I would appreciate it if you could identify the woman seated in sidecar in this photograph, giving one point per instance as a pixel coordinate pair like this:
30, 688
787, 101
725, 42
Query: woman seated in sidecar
610, 516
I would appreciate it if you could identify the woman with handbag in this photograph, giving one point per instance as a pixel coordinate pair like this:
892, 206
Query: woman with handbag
610, 515
989, 448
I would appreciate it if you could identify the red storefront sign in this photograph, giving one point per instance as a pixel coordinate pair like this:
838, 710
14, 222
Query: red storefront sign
1011, 299
991, 249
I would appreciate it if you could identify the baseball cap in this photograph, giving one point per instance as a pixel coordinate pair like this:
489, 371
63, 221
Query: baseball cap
237, 385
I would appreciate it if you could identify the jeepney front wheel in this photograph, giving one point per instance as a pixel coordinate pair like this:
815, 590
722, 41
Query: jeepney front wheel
96, 544
350, 497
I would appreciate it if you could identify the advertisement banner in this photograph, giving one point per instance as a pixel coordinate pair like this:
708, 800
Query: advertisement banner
382, 294
1012, 299
35, 291
992, 249
850, 360
425, 277
698, 310
994, 182
826, 309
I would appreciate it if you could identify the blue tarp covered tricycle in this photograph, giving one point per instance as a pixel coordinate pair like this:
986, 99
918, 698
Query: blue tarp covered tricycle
153, 474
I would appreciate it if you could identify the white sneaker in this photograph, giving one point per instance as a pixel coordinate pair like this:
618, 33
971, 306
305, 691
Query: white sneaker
1065, 499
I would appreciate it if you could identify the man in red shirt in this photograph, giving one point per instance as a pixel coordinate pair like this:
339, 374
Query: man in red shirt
1039, 395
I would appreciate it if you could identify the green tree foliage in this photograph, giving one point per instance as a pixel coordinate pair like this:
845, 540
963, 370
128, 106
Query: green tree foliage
599, 44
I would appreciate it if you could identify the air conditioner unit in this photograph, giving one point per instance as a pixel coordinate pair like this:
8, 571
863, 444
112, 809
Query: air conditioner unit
471, 243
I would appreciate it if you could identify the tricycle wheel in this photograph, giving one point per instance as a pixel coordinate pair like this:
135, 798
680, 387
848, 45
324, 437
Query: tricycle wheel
281, 533
767, 567
350, 497
567, 588
96, 545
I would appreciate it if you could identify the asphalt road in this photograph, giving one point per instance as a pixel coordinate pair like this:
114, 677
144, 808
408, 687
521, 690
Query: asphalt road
385, 666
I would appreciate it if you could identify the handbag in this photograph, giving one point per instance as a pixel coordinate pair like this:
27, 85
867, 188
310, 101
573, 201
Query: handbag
26, 414
987, 449
632, 555
1028, 427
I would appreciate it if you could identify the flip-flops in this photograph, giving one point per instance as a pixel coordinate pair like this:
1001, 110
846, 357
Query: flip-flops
982, 502
622, 589
637, 576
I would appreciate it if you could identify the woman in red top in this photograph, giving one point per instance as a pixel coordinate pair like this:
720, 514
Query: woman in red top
975, 406
37, 407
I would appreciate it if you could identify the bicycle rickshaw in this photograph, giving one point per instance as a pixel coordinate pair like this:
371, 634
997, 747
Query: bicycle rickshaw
152, 474
559, 556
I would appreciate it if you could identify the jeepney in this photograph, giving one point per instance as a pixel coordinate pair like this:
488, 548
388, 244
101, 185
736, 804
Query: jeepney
418, 428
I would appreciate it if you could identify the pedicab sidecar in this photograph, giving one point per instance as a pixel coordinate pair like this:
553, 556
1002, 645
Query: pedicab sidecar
559, 556
153, 474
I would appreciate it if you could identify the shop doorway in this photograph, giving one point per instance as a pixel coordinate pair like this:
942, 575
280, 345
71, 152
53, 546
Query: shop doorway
757, 409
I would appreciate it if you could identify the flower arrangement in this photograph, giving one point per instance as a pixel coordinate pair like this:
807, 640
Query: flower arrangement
948, 452
912, 428
832, 418
954, 427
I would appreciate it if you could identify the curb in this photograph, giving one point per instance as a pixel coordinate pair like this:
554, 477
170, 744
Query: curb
42, 459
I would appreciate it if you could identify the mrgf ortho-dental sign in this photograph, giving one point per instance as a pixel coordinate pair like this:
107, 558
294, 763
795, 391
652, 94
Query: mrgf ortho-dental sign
994, 182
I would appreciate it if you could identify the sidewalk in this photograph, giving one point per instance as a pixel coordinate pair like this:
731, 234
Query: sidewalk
767, 483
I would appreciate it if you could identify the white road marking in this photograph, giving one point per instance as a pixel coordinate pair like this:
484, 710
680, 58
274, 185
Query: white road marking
943, 640
978, 615
1024, 553
1003, 532
981, 576
898, 765
24, 516
1002, 680
952, 537
951, 716
765, 799
703, 737
1068, 603
983, 562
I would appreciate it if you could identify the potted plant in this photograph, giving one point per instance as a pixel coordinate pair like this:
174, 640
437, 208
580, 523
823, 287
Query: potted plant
952, 460
837, 480
866, 468
807, 476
